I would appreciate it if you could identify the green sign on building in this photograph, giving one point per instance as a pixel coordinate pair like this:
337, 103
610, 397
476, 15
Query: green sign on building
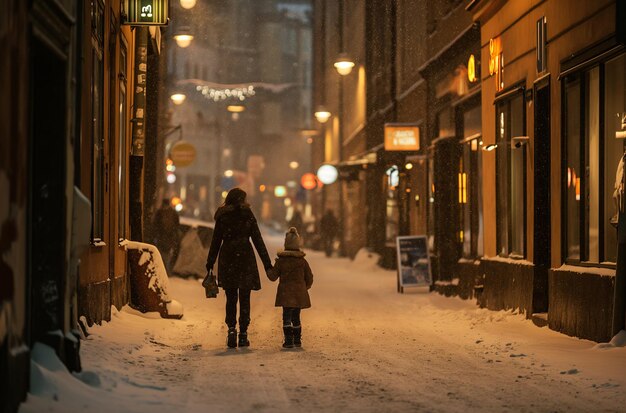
146, 12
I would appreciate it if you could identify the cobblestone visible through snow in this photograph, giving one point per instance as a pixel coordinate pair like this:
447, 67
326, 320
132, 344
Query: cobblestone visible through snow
366, 349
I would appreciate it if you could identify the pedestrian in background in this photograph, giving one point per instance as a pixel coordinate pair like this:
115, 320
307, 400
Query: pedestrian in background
328, 231
237, 273
166, 227
297, 222
295, 280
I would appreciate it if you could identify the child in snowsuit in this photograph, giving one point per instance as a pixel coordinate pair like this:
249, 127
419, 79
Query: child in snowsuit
295, 280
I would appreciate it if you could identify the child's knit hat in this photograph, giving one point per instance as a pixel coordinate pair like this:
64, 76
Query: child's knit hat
292, 239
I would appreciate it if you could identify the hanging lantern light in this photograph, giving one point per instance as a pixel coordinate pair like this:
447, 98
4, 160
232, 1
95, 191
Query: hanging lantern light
187, 4
183, 37
344, 64
322, 114
178, 98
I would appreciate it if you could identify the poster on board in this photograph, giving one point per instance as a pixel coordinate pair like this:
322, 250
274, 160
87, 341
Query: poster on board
413, 261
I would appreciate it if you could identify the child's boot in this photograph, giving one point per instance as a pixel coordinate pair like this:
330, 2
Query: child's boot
288, 331
297, 336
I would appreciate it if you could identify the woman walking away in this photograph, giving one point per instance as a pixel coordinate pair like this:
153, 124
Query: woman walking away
295, 280
237, 271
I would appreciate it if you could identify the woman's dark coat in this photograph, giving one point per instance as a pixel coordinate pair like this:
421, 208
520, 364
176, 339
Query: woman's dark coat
295, 279
234, 226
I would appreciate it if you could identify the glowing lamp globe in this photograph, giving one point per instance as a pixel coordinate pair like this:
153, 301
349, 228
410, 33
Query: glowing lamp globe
343, 64
327, 174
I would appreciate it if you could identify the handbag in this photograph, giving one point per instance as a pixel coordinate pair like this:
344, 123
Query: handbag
210, 285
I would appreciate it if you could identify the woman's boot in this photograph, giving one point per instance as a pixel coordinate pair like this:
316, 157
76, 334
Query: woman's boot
288, 331
232, 337
243, 339
297, 336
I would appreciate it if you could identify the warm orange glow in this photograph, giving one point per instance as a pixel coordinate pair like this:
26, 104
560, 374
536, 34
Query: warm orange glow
578, 189
176, 200
262, 188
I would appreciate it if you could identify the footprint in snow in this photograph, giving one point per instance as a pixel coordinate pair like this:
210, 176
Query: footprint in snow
570, 371
517, 355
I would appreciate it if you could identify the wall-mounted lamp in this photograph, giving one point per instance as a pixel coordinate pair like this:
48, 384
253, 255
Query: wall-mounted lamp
489, 148
322, 114
344, 64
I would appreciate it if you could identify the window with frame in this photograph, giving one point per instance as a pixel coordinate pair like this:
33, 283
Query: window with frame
594, 102
470, 233
510, 178
97, 117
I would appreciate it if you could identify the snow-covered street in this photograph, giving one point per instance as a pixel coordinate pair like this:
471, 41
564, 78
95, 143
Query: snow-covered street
365, 348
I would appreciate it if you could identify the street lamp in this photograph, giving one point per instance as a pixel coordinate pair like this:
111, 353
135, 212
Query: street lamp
187, 4
322, 114
178, 98
183, 37
344, 64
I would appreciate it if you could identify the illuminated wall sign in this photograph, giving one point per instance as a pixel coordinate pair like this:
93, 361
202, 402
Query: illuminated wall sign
496, 62
146, 12
402, 137
471, 69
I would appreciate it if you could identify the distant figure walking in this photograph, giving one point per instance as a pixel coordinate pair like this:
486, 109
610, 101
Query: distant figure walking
295, 280
237, 271
297, 222
328, 231
166, 224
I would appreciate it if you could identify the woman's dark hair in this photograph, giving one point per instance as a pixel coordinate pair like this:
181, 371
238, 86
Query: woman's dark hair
236, 197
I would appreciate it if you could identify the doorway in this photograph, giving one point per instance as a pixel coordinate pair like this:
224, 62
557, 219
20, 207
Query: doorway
47, 176
542, 228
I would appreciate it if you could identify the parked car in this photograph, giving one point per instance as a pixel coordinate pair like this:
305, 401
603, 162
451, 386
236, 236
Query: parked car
194, 247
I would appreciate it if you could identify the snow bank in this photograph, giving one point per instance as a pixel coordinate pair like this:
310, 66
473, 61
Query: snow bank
154, 271
619, 340
159, 283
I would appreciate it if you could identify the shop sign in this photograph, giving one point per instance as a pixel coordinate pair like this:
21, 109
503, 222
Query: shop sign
183, 153
413, 261
146, 12
402, 137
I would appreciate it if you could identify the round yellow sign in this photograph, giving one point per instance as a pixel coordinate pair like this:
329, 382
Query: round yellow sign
183, 154
471, 69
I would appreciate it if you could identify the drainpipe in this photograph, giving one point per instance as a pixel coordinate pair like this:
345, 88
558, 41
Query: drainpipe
619, 295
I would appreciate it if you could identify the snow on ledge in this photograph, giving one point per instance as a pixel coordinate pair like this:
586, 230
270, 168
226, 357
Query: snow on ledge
603, 272
454, 281
508, 260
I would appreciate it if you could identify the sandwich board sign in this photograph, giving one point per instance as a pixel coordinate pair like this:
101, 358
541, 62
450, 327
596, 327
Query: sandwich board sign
413, 261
